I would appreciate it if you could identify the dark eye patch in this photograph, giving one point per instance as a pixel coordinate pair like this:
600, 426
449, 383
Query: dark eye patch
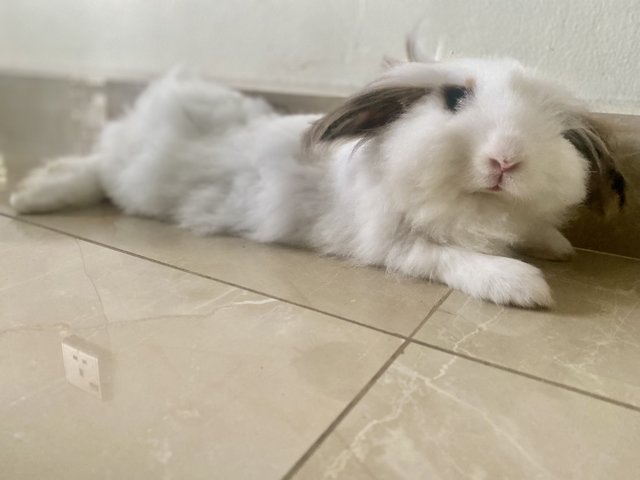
454, 95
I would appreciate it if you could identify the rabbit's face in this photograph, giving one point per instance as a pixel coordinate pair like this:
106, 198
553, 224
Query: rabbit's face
493, 133
487, 130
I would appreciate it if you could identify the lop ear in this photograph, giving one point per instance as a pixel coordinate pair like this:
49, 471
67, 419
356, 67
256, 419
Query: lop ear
365, 114
390, 62
595, 142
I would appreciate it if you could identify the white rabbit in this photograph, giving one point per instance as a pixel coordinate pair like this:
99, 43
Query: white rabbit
438, 170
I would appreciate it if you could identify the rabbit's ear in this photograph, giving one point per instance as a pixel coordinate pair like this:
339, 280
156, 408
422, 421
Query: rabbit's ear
594, 141
413, 50
411, 47
390, 62
365, 114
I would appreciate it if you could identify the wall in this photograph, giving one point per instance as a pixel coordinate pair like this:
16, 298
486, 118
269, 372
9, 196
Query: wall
323, 46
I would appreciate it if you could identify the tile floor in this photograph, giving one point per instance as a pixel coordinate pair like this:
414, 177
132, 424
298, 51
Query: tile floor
224, 359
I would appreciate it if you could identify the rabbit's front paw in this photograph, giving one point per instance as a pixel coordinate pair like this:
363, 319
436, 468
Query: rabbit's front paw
511, 282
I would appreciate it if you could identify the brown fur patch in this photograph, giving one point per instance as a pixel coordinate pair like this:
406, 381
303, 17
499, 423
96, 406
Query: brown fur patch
594, 140
365, 114
470, 83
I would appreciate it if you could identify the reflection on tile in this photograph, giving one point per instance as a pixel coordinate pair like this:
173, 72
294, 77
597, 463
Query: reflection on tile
591, 340
433, 415
87, 366
204, 374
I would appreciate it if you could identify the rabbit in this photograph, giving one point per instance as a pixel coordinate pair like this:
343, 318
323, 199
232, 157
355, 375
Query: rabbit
445, 170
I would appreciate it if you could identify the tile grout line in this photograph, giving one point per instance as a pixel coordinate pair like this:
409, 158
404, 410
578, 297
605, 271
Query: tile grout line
407, 339
35, 224
530, 376
609, 254
363, 391
208, 277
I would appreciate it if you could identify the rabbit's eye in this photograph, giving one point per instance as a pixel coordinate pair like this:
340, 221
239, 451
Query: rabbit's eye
454, 95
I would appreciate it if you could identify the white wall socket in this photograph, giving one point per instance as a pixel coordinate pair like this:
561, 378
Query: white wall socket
85, 365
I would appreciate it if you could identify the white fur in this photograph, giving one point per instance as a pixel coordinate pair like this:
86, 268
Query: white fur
415, 199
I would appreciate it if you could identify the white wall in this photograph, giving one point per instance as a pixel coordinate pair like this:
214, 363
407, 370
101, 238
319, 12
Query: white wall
324, 46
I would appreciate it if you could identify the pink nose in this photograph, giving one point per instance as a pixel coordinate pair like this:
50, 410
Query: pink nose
503, 165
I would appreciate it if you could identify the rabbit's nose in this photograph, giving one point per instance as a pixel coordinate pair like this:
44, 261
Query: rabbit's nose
503, 165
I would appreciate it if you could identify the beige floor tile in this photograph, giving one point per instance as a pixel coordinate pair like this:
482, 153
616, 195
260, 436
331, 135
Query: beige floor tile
366, 295
436, 416
590, 340
206, 380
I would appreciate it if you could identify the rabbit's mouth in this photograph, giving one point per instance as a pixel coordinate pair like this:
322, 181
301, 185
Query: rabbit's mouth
496, 183
501, 169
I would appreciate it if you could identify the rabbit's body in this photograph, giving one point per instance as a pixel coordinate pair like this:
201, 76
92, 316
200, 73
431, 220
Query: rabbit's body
429, 192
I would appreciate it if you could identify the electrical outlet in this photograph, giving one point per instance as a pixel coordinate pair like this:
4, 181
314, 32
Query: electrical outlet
85, 365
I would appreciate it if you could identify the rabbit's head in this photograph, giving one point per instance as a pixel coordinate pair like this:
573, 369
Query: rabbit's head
478, 130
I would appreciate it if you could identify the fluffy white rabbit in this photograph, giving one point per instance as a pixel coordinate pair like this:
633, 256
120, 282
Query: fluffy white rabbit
439, 170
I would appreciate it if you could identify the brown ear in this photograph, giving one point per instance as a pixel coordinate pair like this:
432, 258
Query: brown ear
366, 114
595, 142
